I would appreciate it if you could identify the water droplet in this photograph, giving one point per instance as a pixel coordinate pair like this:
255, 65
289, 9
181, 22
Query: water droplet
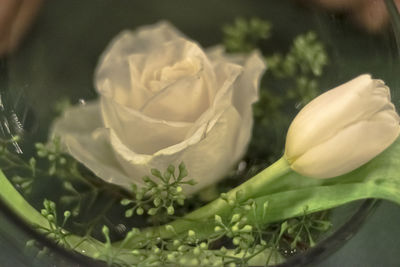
241, 167
298, 105
82, 102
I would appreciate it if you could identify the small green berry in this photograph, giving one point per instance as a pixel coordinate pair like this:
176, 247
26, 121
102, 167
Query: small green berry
67, 214
139, 211
152, 211
170, 210
191, 233
217, 229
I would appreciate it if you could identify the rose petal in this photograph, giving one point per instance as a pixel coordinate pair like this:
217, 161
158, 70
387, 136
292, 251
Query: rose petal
226, 74
185, 100
123, 61
245, 132
212, 150
246, 89
209, 118
168, 54
138, 132
90, 145
142, 40
245, 94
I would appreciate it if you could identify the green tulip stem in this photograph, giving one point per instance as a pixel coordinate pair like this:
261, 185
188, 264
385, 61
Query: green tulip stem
251, 189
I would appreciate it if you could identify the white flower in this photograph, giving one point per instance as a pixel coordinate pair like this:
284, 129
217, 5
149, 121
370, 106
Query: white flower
164, 100
342, 129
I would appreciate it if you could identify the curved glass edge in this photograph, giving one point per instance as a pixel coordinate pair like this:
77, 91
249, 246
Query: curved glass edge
317, 253
336, 240
11, 218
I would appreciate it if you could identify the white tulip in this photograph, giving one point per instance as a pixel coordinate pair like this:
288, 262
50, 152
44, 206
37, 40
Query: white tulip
342, 129
164, 100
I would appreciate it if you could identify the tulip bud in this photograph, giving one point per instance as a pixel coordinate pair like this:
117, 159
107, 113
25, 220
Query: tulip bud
342, 129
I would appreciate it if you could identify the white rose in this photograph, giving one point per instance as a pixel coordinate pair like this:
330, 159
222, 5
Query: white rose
342, 129
164, 100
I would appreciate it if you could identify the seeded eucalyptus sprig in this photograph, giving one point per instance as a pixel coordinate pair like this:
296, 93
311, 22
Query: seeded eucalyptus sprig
160, 193
291, 80
53, 153
304, 64
55, 229
245, 35
234, 239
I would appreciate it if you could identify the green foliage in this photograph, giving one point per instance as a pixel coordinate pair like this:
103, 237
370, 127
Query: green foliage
248, 240
306, 56
299, 231
53, 153
291, 81
10, 161
303, 64
301, 67
160, 193
245, 35
55, 229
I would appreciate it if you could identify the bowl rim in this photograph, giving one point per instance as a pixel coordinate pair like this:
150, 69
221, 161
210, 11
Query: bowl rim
324, 248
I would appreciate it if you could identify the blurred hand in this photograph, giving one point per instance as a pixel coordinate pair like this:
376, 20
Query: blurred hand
371, 14
15, 18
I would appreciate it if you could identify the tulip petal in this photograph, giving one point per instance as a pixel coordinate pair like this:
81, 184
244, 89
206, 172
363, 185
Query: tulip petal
342, 129
358, 144
334, 110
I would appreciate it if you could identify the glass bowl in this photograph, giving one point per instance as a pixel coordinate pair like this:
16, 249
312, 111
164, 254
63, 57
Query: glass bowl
59, 55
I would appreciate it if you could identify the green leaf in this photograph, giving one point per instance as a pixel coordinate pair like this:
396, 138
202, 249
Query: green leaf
379, 178
156, 173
